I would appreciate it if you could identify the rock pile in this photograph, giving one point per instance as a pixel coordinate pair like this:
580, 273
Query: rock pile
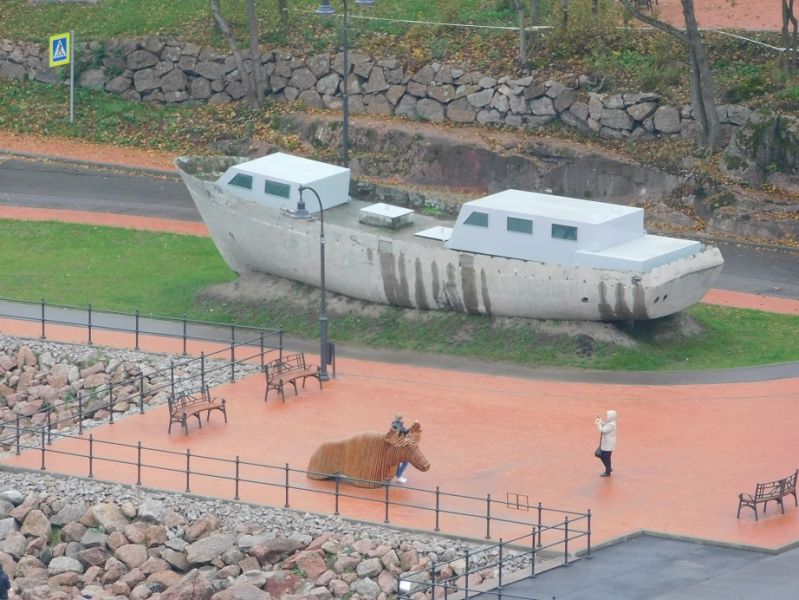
70, 538
175, 72
40, 374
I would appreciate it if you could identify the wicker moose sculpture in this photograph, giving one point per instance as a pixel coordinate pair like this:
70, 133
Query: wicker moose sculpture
368, 458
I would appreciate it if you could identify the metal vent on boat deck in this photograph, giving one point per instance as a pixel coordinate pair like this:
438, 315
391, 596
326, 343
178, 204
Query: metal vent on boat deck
436, 233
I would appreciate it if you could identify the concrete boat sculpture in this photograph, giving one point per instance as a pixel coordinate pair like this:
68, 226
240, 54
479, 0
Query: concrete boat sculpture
512, 254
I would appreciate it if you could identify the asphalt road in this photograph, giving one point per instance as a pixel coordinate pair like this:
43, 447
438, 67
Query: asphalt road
747, 268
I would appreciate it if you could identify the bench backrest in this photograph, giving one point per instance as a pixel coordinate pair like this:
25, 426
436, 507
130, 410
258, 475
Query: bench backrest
177, 401
777, 488
289, 362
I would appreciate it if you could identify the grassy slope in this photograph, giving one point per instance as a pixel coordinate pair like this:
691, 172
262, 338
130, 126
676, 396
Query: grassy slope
156, 273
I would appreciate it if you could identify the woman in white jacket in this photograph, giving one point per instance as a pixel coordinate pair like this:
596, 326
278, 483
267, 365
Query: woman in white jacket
607, 441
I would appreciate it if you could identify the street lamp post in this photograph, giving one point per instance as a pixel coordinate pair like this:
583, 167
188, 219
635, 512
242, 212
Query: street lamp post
327, 10
302, 213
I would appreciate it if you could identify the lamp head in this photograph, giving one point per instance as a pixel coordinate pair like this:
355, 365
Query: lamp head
325, 8
301, 212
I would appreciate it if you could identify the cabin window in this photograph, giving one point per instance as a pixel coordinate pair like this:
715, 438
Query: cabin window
564, 232
277, 189
241, 180
520, 225
478, 219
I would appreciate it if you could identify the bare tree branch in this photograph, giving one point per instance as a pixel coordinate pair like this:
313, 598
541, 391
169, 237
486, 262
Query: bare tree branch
249, 94
702, 89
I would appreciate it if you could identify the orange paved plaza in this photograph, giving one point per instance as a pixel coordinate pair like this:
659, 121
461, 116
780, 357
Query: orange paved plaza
684, 452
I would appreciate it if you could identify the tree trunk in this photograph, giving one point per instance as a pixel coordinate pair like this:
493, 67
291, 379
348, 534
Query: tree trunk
255, 55
788, 38
702, 88
517, 4
283, 7
564, 4
707, 92
249, 93
534, 21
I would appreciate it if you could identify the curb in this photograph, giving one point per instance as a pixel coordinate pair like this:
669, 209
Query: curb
88, 163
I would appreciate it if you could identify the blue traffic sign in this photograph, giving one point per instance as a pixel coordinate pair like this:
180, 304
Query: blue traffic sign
60, 49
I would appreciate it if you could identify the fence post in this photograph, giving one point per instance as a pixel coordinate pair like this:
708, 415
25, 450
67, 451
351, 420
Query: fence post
49, 425
188, 469
438, 507
43, 321
232, 351
433, 579
388, 501
18, 435
80, 413
338, 477
185, 327
588, 552
172, 376
137, 330
262, 350
44, 446
90, 324
111, 402
500, 567
566, 542
468, 570
202, 370
91, 455
488, 516
141, 393
286, 505
533, 553
540, 511
237, 477
138, 463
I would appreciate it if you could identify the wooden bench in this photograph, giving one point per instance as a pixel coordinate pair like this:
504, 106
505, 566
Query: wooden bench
183, 405
766, 492
288, 369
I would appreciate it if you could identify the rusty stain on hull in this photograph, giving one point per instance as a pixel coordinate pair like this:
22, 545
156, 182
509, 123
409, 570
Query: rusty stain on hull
484, 289
469, 284
396, 289
451, 289
421, 294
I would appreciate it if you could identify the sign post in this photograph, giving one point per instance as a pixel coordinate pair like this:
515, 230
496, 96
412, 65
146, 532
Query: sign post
62, 52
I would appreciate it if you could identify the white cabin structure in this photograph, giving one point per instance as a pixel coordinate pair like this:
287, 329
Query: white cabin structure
274, 180
566, 231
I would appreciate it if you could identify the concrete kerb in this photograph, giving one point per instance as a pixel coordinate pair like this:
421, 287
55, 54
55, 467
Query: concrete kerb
690, 539
92, 164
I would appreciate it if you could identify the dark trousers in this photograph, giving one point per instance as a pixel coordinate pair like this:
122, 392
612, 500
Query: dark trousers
605, 458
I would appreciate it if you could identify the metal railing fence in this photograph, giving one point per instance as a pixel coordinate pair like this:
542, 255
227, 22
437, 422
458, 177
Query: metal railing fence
433, 582
135, 323
278, 485
88, 402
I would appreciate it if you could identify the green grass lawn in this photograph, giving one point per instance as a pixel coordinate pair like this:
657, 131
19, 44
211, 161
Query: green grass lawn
163, 274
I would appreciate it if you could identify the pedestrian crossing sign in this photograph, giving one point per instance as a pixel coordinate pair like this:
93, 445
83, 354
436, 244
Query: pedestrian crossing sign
59, 49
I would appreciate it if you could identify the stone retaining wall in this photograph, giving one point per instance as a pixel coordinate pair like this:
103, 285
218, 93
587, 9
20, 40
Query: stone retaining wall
174, 72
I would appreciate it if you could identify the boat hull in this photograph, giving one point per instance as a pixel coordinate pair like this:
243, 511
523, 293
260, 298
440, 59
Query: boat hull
367, 264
